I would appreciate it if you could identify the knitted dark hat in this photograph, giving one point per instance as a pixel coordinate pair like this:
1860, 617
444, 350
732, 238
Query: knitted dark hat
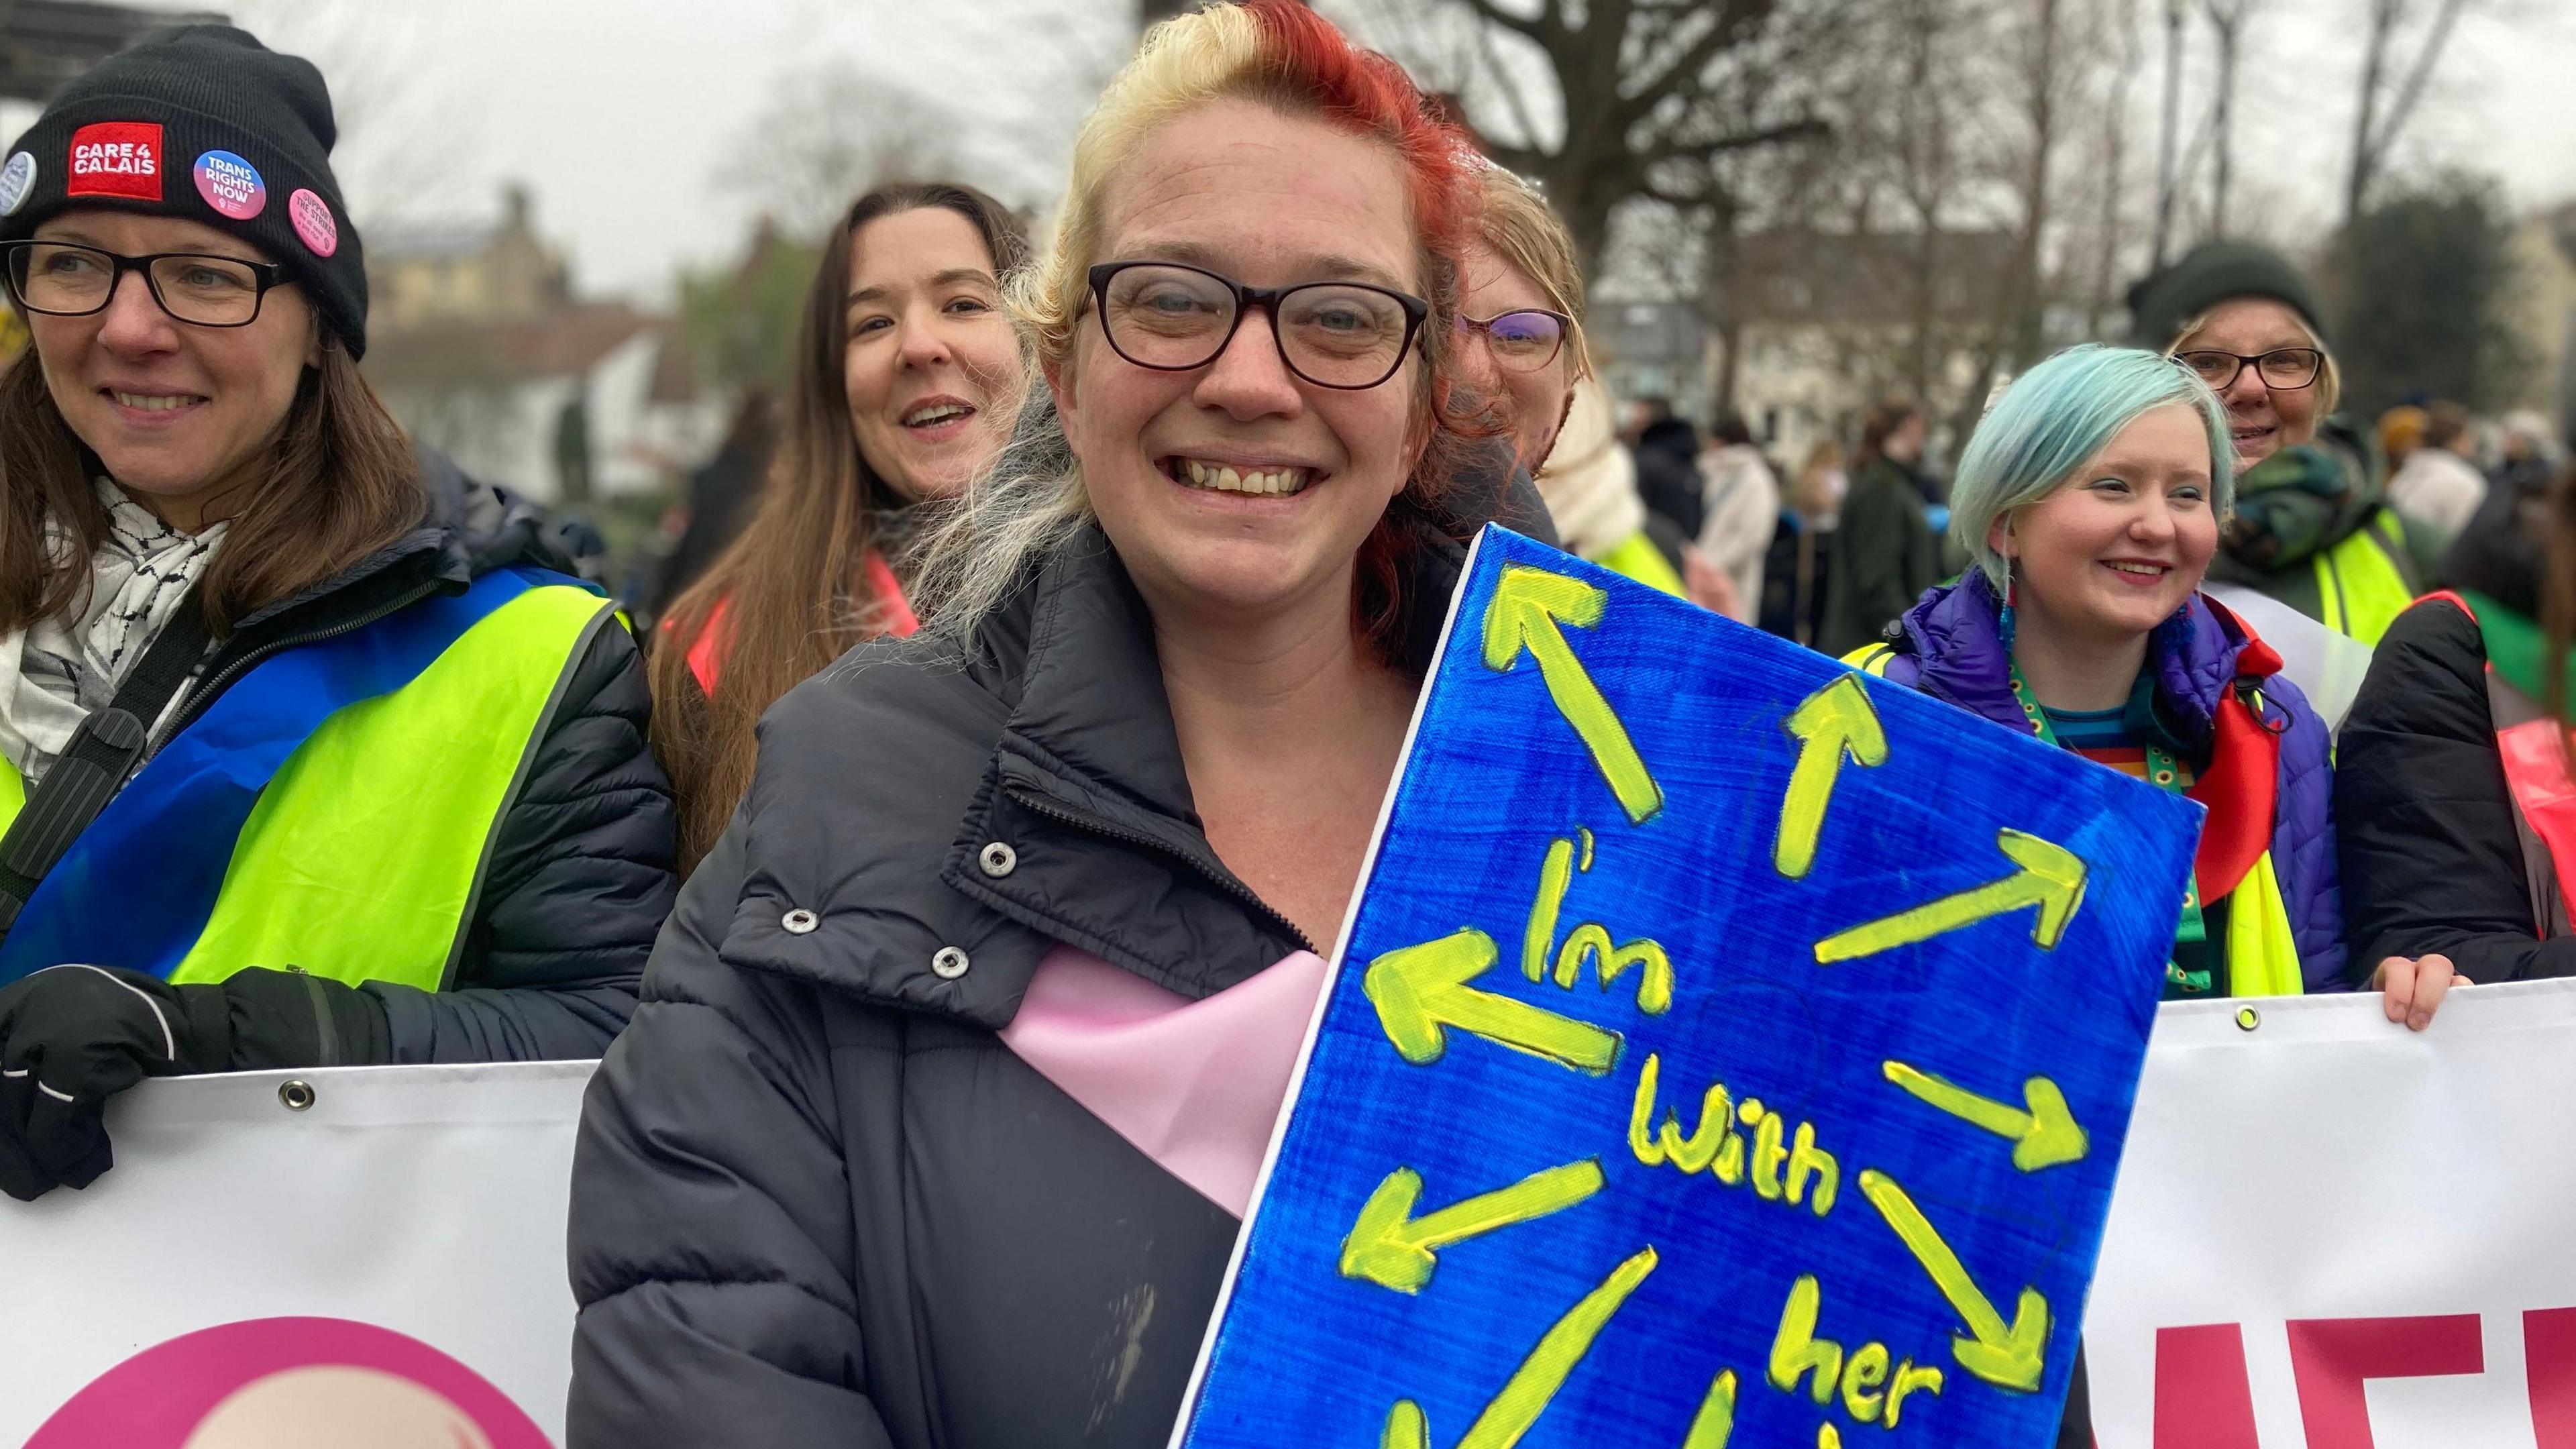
201, 122
2211, 273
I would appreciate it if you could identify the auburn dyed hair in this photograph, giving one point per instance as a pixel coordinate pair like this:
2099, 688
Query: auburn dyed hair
789, 595
1285, 56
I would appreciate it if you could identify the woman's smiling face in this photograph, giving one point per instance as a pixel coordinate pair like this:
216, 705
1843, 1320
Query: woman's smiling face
172, 409
1270, 200
929, 361
2118, 547
2261, 419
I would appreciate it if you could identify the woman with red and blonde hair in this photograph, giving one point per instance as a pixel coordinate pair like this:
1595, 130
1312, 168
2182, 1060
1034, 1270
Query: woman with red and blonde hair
955, 1066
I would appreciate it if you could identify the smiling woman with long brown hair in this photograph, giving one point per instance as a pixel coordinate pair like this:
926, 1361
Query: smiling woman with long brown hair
906, 376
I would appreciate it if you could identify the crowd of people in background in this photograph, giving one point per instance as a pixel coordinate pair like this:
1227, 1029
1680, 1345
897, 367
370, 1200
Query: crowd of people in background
965, 785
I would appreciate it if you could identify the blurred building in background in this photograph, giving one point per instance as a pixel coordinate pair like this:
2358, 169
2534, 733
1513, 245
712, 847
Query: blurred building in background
2544, 248
482, 348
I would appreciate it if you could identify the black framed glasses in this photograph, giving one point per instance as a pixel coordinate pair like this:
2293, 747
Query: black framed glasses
66, 279
1173, 318
2287, 368
1525, 340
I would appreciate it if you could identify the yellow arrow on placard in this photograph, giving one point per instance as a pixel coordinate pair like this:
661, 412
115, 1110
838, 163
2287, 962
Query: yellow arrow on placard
1528, 606
2007, 1356
1714, 1424
1836, 721
2050, 877
1421, 991
2047, 1135
1526, 1394
1392, 1248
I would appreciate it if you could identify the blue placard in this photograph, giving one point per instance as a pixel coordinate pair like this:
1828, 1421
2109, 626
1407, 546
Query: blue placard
1727, 1047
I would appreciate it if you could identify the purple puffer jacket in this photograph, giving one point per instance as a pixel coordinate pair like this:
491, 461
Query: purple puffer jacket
1952, 648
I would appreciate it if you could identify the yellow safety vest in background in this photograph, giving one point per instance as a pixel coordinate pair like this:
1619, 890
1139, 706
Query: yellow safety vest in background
2363, 583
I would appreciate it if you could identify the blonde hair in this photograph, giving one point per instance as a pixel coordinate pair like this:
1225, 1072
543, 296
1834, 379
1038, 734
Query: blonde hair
1524, 230
1282, 55
2329, 383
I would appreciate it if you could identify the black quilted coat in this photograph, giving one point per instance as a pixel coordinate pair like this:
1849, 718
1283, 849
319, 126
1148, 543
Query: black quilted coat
817, 1202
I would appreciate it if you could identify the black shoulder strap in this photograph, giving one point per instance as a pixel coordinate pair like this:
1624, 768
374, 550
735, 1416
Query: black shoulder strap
102, 753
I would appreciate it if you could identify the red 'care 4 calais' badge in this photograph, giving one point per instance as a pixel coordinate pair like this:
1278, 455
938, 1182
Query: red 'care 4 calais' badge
116, 158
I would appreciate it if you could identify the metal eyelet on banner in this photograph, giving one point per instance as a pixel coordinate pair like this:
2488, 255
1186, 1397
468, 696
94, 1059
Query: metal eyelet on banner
948, 963
2247, 1018
295, 1094
800, 922
997, 860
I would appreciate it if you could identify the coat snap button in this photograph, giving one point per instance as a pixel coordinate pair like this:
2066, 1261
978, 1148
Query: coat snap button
800, 922
998, 860
948, 963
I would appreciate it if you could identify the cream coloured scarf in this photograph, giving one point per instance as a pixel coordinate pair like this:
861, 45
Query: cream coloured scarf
54, 673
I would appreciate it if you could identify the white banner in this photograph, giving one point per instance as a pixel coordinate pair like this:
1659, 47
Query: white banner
389, 1256
2333, 1233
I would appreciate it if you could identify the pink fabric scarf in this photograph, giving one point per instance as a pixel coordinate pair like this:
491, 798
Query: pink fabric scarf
1194, 1085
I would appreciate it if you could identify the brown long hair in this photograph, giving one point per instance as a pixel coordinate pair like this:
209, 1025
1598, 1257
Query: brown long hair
338, 483
791, 589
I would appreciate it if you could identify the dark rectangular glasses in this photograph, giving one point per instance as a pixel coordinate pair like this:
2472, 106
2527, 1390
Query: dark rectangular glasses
2287, 368
66, 279
1174, 318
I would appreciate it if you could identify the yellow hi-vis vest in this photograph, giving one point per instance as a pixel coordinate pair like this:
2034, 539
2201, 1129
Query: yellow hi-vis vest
2262, 949
364, 858
2364, 583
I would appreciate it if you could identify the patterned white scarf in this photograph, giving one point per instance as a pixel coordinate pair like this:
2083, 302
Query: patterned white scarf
55, 673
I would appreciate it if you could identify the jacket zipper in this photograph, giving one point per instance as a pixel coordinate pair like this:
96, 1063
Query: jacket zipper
325, 1029
1217, 877
206, 693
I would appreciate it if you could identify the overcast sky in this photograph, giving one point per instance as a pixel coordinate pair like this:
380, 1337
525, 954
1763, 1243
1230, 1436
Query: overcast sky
632, 120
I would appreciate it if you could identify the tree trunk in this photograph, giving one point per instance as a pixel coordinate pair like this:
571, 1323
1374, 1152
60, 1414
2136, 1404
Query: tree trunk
2229, 23
2027, 299
2374, 65
2168, 184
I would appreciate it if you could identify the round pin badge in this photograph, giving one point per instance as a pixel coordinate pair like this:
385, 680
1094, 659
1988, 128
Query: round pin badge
313, 223
231, 185
17, 183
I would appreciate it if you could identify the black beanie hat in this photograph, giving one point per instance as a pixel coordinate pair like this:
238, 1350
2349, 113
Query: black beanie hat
206, 123
2162, 305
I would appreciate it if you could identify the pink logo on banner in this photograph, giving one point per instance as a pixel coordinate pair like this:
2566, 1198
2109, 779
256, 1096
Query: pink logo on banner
312, 218
321, 1383
231, 185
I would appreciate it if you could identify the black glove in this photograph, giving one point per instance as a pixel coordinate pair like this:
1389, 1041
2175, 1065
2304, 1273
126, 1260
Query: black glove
73, 1036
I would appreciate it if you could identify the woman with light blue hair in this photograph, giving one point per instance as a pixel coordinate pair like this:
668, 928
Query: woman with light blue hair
2090, 499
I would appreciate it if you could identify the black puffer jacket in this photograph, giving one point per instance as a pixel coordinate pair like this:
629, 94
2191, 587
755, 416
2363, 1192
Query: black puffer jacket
817, 1201
2432, 861
580, 875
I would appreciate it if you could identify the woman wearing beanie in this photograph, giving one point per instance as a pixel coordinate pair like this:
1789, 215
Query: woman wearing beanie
951, 1080
299, 773
2311, 528
2453, 805
907, 374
